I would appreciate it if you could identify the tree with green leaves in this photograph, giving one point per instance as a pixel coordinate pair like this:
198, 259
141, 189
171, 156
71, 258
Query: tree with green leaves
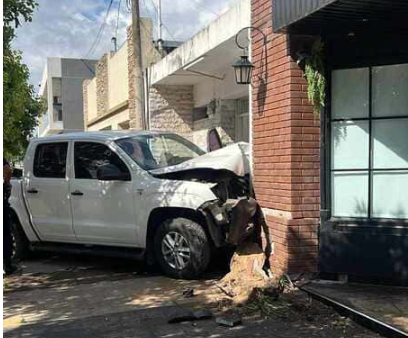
21, 106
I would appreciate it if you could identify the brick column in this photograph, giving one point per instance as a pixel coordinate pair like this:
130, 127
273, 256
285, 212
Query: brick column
85, 100
285, 149
171, 109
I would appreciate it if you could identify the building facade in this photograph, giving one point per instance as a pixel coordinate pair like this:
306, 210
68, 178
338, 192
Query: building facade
193, 89
61, 89
109, 97
333, 184
331, 178
189, 91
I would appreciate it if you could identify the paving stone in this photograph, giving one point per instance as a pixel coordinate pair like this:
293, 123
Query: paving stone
178, 315
229, 320
203, 314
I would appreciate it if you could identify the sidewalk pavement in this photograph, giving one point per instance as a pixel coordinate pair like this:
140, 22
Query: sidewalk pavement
383, 305
77, 297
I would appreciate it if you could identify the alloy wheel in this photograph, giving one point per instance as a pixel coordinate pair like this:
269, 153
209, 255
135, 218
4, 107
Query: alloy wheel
175, 250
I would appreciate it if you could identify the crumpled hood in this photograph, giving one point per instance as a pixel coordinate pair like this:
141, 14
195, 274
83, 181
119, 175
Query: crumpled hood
234, 158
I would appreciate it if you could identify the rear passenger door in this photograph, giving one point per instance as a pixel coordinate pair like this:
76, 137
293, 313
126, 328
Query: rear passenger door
103, 211
46, 190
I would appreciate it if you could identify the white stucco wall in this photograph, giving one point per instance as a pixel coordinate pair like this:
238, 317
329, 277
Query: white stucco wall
208, 89
91, 100
219, 31
113, 121
118, 77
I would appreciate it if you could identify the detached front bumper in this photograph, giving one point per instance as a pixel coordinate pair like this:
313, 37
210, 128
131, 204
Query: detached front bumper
230, 222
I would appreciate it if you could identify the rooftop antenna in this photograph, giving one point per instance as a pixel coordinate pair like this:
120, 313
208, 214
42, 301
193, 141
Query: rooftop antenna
115, 46
160, 26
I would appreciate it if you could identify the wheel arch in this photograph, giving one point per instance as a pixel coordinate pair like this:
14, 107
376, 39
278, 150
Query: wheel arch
160, 214
14, 218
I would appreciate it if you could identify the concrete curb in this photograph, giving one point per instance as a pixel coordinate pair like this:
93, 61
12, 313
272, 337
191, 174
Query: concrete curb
359, 317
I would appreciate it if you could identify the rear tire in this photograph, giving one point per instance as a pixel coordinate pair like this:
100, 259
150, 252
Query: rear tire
21, 245
182, 248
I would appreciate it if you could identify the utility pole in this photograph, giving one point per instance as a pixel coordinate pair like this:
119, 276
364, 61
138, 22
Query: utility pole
160, 27
138, 66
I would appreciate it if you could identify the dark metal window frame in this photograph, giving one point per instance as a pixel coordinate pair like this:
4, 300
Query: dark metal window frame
37, 158
326, 150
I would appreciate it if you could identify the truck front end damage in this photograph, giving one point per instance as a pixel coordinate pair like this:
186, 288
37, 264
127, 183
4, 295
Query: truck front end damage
230, 222
231, 217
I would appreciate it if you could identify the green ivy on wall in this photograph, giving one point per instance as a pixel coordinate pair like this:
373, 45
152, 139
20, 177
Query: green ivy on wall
314, 73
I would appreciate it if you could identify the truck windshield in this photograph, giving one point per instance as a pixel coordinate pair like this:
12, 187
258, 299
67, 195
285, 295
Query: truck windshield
159, 151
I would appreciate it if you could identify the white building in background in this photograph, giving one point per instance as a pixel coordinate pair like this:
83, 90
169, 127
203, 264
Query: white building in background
193, 89
61, 88
190, 90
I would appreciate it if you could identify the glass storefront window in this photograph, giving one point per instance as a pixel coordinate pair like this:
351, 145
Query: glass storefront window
390, 91
369, 142
350, 194
390, 143
350, 145
350, 95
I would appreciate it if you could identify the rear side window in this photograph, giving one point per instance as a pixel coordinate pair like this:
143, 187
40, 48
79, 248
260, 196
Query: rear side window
89, 156
51, 160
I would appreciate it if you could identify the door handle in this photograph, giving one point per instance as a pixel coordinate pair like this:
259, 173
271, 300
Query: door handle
77, 193
32, 191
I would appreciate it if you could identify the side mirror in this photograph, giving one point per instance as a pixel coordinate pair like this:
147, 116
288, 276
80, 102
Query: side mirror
110, 172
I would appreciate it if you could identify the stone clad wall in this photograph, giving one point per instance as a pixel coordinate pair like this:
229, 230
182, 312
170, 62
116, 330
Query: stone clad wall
102, 85
223, 119
120, 71
171, 109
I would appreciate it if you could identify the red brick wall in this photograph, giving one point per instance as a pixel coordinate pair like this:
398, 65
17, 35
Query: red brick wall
285, 149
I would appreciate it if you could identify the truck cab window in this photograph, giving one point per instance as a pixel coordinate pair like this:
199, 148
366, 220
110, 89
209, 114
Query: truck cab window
51, 160
89, 156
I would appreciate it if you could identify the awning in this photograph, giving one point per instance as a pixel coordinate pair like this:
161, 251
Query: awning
339, 16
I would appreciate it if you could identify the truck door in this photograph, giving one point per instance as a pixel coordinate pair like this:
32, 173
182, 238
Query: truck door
46, 190
103, 211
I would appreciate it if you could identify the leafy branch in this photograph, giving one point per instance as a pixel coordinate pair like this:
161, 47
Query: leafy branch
314, 73
21, 106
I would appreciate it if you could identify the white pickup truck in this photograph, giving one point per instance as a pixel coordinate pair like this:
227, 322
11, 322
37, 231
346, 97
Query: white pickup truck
146, 195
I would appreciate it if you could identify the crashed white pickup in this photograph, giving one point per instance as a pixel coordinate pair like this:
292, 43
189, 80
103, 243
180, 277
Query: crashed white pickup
150, 195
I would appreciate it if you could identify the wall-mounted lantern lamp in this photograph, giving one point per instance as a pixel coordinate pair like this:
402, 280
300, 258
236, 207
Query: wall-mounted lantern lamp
243, 67
243, 70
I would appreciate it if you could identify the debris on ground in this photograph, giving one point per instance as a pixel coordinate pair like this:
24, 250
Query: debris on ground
188, 293
179, 315
246, 273
203, 314
230, 320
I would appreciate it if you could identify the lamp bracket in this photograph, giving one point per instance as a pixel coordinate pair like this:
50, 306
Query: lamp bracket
249, 28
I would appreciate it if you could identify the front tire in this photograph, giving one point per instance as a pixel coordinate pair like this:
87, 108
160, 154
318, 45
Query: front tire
182, 248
